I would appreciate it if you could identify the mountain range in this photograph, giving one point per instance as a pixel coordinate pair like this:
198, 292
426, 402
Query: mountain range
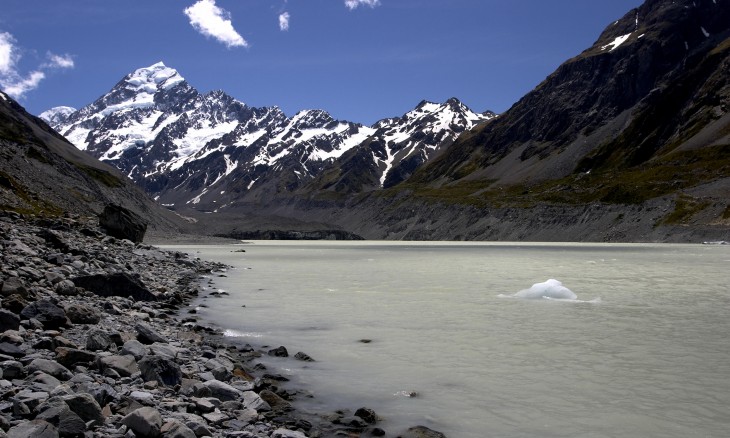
627, 141
208, 151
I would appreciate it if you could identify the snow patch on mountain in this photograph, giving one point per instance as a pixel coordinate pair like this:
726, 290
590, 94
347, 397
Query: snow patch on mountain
616, 42
157, 76
55, 115
197, 136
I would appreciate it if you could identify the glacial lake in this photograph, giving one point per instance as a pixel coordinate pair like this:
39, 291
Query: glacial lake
643, 351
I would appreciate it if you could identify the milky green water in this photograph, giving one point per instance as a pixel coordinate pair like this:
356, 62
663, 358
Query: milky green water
651, 359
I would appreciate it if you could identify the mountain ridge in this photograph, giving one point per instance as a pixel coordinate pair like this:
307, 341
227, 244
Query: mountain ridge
181, 145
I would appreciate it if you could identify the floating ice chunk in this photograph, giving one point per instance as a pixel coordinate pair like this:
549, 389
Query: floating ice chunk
551, 289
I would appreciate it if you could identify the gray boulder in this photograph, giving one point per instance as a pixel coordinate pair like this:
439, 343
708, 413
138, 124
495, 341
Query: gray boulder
29, 398
122, 223
134, 348
11, 336
166, 350
422, 432
86, 407
82, 314
70, 357
14, 303
147, 335
54, 239
8, 320
176, 429
251, 400
304, 357
12, 350
57, 412
222, 391
160, 369
103, 394
199, 427
273, 400
144, 422
14, 286
44, 382
66, 288
47, 313
367, 414
286, 433
99, 340
125, 366
279, 352
50, 367
35, 429
12, 369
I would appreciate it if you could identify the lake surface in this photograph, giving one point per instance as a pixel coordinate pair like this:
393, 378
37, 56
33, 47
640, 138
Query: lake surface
644, 351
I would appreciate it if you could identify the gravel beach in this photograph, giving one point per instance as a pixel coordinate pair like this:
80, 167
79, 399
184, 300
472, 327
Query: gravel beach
97, 339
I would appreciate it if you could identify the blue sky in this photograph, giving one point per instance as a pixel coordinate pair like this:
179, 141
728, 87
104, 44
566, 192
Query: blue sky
360, 60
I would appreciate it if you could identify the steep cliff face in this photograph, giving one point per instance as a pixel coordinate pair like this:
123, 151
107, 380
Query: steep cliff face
652, 81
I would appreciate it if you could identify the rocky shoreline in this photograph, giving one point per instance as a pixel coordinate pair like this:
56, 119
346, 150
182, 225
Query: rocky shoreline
96, 340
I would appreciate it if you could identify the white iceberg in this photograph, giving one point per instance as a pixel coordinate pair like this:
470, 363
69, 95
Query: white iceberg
551, 289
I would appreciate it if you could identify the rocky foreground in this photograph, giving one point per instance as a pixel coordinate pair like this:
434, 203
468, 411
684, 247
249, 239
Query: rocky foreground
93, 343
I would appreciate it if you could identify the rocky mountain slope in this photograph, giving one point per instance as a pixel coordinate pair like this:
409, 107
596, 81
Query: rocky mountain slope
43, 174
628, 141
208, 151
653, 89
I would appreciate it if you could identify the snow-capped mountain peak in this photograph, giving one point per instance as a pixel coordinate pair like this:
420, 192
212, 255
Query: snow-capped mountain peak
410, 140
153, 78
190, 148
57, 115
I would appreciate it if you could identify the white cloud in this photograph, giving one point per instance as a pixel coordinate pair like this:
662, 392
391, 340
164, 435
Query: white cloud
59, 61
13, 82
352, 4
8, 55
212, 21
284, 21
17, 86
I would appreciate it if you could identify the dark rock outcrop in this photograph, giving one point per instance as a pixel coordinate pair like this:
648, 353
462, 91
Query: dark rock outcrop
122, 223
120, 284
160, 369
